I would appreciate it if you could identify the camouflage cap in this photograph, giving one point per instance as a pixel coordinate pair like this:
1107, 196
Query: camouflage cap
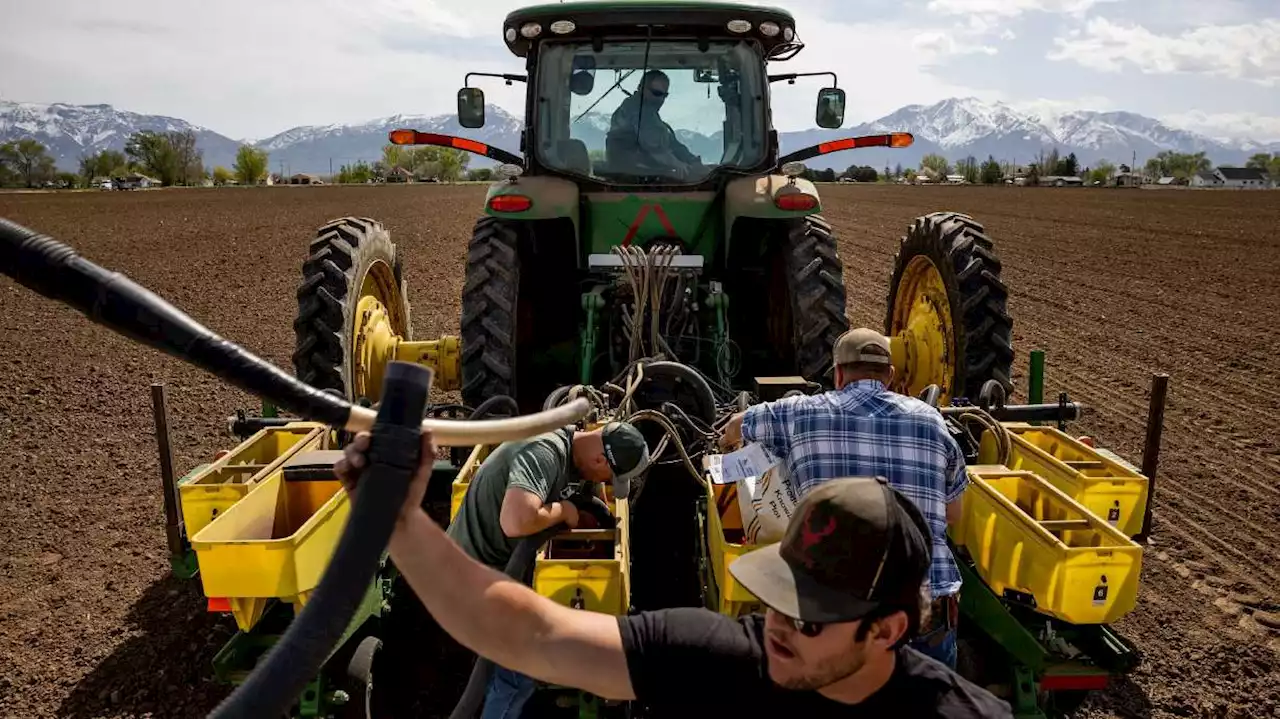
852, 545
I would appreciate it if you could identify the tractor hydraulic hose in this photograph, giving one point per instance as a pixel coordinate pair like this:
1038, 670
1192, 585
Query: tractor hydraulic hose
112, 300
395, 448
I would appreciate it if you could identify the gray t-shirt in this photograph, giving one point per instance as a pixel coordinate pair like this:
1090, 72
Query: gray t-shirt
541, 465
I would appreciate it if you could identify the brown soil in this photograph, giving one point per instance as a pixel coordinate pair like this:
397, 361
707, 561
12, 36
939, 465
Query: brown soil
1113, 285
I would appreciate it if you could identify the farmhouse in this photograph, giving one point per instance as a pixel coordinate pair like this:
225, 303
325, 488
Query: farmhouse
1128, 179
135, 181
1248, 178
1206, 178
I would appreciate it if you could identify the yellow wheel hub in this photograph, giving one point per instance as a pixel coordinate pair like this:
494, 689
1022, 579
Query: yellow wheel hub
922, 335
380, 337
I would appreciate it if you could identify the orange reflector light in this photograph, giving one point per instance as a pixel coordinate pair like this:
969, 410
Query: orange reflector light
795, 201
510, 203
219, 604
896, 139
413, 137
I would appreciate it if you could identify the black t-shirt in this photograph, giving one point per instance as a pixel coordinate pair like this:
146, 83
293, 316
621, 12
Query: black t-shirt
685, 662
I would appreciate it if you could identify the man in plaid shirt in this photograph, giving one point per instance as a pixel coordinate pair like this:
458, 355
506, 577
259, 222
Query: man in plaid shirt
863, 429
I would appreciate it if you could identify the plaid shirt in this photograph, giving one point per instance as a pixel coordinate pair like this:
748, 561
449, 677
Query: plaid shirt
864, 430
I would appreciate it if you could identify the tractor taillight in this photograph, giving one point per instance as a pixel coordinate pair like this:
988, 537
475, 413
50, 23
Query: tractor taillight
796, 201
510, 203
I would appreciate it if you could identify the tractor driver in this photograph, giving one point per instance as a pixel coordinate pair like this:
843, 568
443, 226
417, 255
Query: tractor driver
638, 137
864, 429
520, 490
843, 590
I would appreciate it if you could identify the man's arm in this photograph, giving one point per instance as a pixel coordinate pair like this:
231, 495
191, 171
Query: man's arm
524, 513
507, 622
524, 509
957, 478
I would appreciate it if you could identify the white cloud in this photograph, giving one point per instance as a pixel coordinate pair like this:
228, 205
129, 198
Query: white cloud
1229, 125
1012, 8
1240, 52
936, 45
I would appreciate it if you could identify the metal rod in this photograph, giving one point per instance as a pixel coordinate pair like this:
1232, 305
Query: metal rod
1069, 411
172, 523
1035, 379
1151, 451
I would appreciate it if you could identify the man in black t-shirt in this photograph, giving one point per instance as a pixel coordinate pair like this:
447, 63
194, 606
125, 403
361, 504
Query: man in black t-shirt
844, 590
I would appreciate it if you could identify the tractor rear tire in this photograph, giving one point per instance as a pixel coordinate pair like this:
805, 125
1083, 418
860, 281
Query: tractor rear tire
815, 288
965, 259
345, 253
488, 321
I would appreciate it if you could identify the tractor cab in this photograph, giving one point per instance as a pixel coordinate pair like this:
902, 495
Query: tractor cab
655, 94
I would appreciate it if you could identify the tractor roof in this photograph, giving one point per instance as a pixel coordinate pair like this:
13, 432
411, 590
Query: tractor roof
669, 18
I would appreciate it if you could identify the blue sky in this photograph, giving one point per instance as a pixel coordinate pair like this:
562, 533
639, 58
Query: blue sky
251, 68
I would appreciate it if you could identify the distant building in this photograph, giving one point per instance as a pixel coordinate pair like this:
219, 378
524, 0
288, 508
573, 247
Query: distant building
1061, 181
135, 181
1206, 178
1249, 178
1127, 179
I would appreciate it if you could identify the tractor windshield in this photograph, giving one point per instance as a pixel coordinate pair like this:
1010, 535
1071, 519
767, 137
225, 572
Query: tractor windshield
665, 112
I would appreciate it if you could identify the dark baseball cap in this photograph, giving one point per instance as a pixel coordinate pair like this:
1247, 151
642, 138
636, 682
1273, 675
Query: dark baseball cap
853, 545
625, 450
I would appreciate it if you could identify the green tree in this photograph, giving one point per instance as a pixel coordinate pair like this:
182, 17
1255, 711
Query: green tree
28, 161
359, 173
990, 172
105, 163
394, 156
936, 165
172, 157
250, 166
222, 175
1103, 172
1068, 166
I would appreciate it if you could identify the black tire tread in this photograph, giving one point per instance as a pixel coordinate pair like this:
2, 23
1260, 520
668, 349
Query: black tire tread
336, 254
966, 258
488, 321
815, 280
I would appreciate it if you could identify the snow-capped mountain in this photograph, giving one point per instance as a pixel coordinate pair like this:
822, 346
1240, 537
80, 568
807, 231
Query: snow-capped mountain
955, 128
70, 131
310, 148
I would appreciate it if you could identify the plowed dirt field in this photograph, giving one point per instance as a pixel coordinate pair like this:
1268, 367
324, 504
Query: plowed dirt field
1113, 285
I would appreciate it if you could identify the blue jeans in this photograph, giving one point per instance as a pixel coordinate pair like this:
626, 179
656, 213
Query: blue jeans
506, 694
939, 644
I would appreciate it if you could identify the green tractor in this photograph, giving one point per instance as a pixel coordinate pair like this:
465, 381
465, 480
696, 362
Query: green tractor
652, 213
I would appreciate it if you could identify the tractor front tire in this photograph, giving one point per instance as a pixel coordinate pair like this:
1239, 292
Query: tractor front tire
489, 299
347, 256
964, 257
815, 288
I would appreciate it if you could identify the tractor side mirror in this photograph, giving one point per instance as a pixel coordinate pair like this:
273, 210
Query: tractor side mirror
830, 113
471, 107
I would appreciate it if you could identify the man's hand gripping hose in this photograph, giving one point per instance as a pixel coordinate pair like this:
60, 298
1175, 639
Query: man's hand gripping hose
110, 299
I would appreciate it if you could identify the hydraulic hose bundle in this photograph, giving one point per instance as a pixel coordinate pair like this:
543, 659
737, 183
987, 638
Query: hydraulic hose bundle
55, 271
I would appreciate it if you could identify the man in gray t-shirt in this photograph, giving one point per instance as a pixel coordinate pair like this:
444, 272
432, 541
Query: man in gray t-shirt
517, 493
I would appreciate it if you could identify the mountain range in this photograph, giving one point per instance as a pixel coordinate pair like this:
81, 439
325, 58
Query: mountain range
955, 128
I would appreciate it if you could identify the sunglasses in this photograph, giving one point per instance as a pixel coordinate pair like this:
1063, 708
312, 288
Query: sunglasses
808, 629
